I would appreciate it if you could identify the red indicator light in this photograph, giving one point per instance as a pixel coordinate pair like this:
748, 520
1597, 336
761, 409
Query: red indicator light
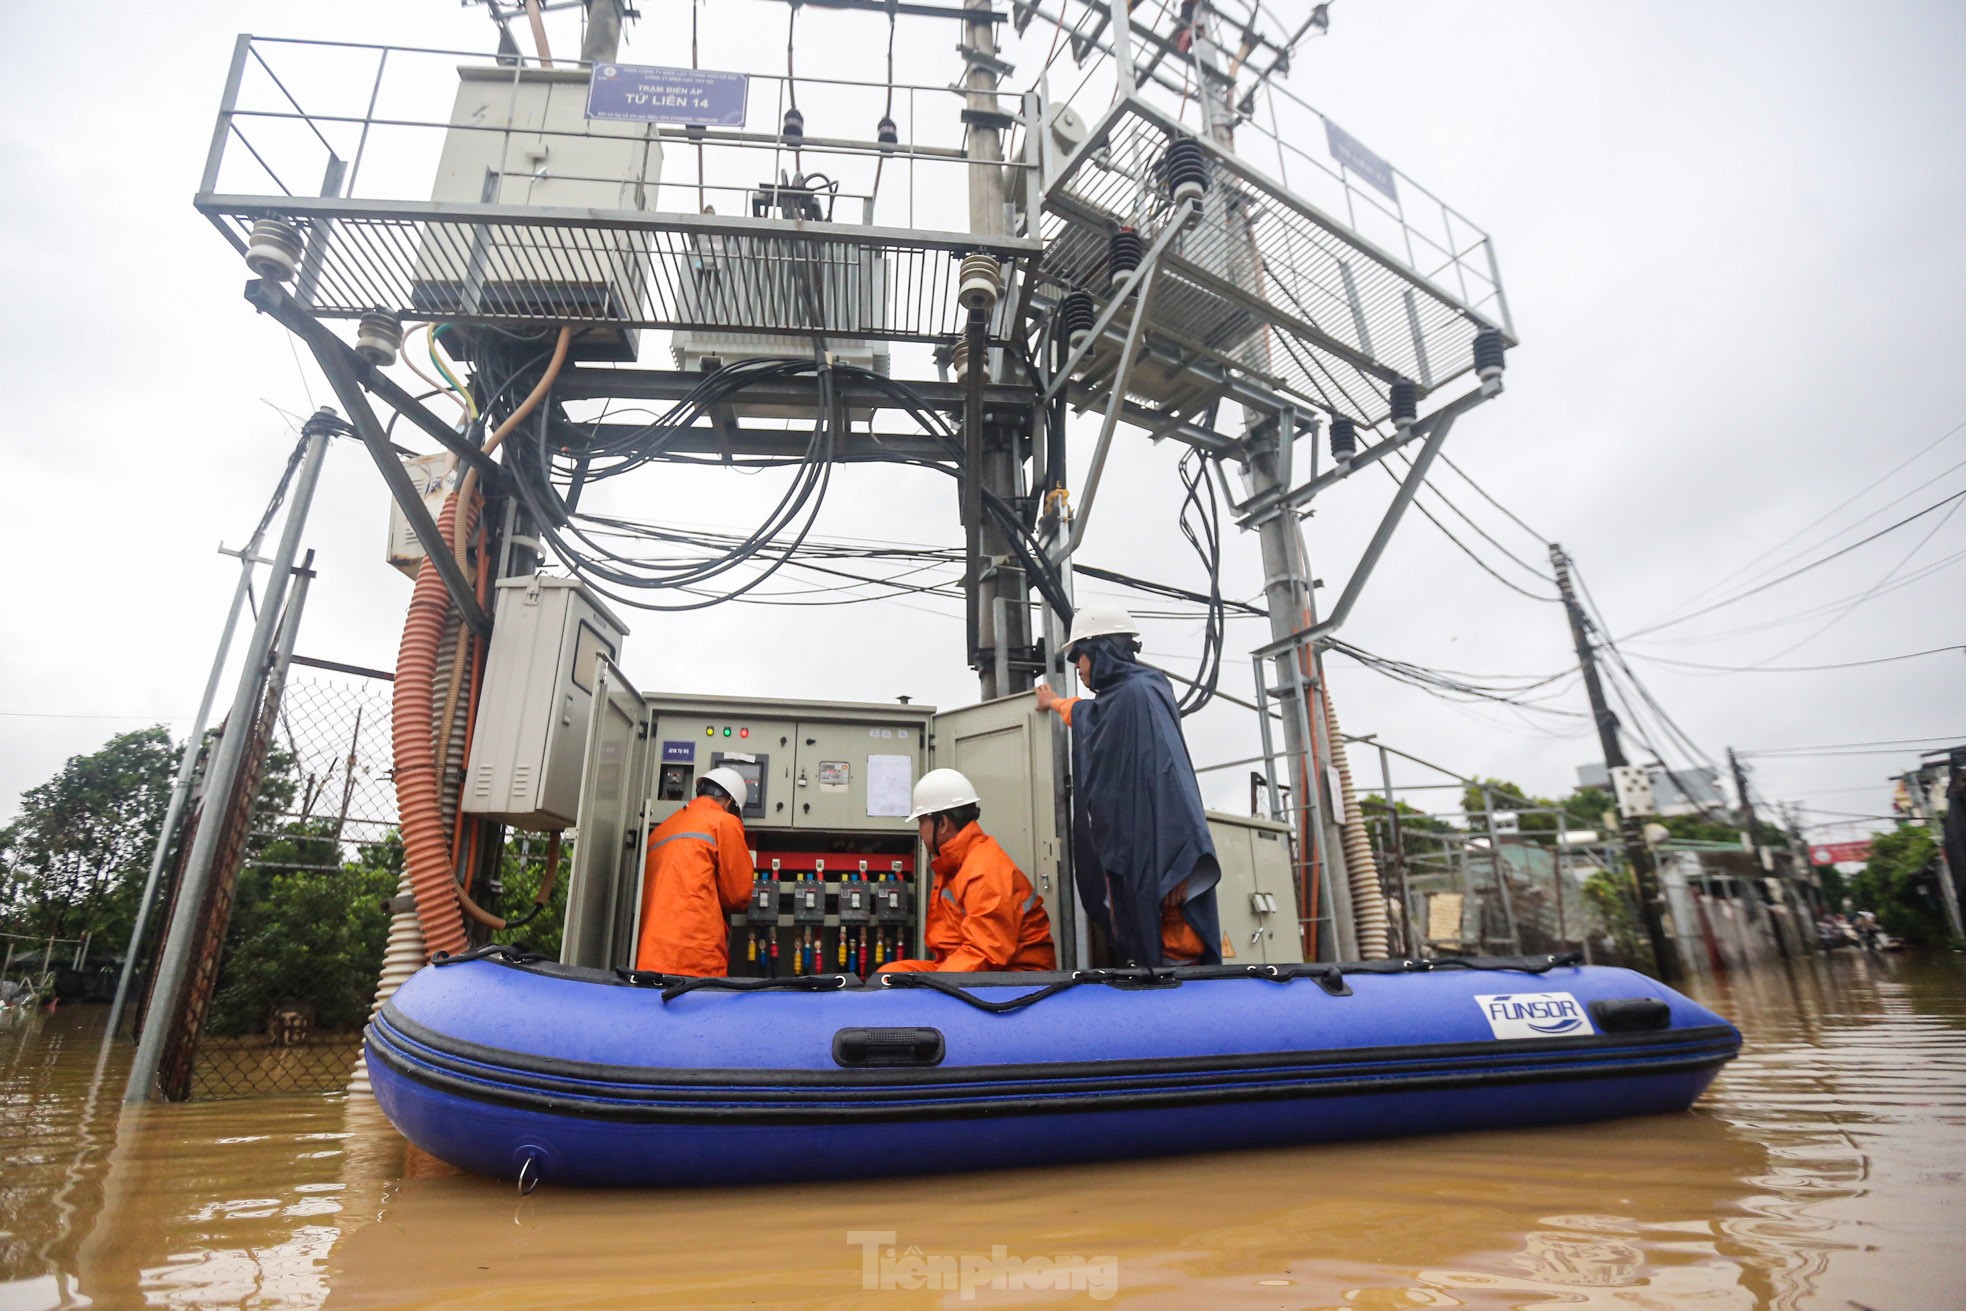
744, 732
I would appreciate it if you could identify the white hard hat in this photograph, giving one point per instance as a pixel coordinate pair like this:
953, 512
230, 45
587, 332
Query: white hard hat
940, 790
1100, 619
730, 781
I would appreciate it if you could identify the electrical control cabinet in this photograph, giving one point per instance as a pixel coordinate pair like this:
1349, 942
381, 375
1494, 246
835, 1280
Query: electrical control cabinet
838, 767
1015, 755
525, 767
1256, 900
830, 786
435, 478
842, 881
521, 137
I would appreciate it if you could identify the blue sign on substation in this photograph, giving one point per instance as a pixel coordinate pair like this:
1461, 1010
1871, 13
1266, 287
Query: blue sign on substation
690, 97
1351, 152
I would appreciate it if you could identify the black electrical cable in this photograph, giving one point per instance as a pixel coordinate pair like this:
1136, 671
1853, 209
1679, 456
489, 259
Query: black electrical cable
1436, 683
588, 455
1201, 524
1802, 569
1793, 669
1463, 546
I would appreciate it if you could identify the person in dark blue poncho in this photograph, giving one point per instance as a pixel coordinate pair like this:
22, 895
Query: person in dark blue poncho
1145, 863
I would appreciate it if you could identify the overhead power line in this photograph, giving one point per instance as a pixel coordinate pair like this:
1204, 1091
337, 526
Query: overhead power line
1385, 467
1792, 669
1483, 493
1838, 746
1797, 572
1865, 595
1724, 579
1876, 589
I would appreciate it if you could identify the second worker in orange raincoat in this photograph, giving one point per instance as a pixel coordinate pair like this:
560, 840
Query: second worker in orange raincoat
699, 868
984, 914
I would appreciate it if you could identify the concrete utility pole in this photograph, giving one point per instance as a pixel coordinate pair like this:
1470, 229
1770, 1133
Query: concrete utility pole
601, 43
999, 592
1747, 805
1286, 564
1651, 898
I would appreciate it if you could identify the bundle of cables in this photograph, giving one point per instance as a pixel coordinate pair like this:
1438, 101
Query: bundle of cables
552, 466
1204, 533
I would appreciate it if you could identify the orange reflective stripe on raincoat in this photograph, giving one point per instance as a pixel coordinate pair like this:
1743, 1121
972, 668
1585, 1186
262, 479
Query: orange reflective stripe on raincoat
699, 867
984, 914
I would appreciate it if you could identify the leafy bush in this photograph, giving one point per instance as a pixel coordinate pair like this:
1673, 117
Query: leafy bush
1898, 884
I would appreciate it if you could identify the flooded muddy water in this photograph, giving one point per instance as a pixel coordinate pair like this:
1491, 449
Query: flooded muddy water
1825, 1169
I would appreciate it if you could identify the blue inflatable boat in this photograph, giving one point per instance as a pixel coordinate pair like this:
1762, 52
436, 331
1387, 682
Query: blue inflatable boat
522, 1068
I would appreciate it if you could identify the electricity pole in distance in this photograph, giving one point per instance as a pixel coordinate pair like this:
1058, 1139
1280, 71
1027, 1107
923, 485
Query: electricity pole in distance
1651, 898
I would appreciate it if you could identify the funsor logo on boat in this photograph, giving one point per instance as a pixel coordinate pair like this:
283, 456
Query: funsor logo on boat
887, 1266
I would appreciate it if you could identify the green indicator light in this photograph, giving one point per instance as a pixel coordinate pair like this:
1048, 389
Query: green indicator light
726, 731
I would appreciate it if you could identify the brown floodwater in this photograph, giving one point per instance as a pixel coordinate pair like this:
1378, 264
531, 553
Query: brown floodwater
1826, 1168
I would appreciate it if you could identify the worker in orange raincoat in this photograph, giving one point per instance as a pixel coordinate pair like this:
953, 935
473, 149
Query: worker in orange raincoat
984, 914
699, 868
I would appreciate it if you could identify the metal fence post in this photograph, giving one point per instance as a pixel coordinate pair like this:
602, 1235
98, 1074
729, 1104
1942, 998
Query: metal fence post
174, 959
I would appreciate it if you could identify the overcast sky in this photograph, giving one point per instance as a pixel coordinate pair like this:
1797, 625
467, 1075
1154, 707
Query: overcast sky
1729, 234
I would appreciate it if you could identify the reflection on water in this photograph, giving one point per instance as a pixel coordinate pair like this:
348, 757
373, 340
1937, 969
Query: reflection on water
1820, 1170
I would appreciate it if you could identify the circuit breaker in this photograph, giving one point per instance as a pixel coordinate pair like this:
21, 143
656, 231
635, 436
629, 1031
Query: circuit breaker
526, 748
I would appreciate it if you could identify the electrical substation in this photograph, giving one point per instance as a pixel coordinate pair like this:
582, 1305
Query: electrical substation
1087, 229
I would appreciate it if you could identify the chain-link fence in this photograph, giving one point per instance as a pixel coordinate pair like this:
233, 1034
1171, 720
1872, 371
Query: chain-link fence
1471, 891
309, 913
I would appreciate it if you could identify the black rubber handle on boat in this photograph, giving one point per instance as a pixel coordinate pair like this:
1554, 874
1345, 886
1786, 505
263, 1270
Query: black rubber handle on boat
1327, 977
796, 983
1513, 964
948, 989
497, 951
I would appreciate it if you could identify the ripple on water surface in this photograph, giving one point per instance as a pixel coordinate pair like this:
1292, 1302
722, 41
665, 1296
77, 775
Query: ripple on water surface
1824, 1167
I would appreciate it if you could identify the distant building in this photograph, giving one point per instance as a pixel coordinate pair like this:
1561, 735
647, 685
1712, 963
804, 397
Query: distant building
1696, 789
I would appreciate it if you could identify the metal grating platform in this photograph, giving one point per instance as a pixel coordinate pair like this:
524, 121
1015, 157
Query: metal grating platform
1263, 284
445, 186
509, 265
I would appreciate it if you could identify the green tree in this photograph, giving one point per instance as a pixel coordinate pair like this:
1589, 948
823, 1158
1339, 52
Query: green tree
74, 860
1835, 886
304, 935
1614, 901
1897, 884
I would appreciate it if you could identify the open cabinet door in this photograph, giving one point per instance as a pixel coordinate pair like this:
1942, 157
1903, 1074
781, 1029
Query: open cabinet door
1014, 754
605, 888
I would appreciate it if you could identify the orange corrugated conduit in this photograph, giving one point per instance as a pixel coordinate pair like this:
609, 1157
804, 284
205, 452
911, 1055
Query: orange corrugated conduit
427, 849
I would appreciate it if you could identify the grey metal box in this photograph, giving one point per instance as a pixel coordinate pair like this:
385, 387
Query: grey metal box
525, 763
1010, 749
1256, 900
815, 759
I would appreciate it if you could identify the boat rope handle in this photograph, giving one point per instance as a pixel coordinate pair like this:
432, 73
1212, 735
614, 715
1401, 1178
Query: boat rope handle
496, 951
1514, 964
796, 983
948, 989
1327, 977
